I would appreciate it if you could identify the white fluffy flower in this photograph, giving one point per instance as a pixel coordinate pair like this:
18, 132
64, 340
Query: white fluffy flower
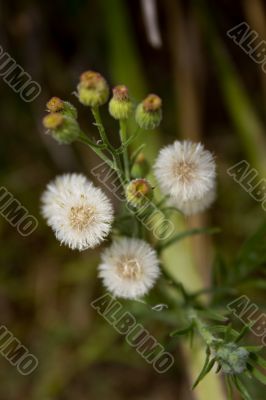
129, 268
79, 213
185, 171
194, 206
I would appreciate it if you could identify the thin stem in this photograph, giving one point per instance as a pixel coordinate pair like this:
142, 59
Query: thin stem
202, 328
116, 160
98, 120
185, 234
83, 139
123, 137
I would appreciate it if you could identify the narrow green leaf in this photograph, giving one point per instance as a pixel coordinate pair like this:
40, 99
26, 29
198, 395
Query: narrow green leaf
241, 388
254, 349
259, 376
205, 370
242, 333
180, 332
229, 388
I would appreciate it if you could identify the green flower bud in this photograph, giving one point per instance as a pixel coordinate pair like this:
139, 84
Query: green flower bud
138, 192
55, 104
149, 112
232, 358
120, 106
141, 167
61, 127
93, 90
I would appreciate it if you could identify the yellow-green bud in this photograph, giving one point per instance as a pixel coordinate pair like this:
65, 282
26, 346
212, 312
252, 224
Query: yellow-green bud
61, 127
232, 358
120, 106
53, 120
93, 90
138, 192
55, 104
149, 112
141, 167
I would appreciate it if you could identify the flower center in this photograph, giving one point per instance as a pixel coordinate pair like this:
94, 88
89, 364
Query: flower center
81, 217
129, 268
184, 170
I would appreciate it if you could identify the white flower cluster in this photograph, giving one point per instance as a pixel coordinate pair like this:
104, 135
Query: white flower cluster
186, 173
81, 215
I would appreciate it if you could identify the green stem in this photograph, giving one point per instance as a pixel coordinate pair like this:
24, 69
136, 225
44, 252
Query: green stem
202, 328
116, 160
185, 234
84, 139
123, 137
97, 116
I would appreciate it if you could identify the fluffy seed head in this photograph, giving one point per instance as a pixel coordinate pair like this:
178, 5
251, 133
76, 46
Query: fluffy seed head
129, 268
194, 206
79, 213
186, 172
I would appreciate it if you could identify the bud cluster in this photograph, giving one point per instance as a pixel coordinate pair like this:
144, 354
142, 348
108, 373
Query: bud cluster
232, 358
61, 122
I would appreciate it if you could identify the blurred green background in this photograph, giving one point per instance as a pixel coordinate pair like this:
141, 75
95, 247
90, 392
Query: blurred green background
212, 92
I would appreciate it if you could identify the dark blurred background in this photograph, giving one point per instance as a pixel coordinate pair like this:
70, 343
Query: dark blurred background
212, 92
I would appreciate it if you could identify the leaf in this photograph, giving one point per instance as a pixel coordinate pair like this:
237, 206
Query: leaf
229, 388
210, 314
253, 253
260, 361
242, 333
208, 364
219, 271
180, 332
254, 349
259, 376
241, 388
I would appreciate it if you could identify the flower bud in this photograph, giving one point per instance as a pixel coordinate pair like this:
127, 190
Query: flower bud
63, 128
138, 192
149, 112
120, 106
56, 105
93, 90
141, 167
232, 358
